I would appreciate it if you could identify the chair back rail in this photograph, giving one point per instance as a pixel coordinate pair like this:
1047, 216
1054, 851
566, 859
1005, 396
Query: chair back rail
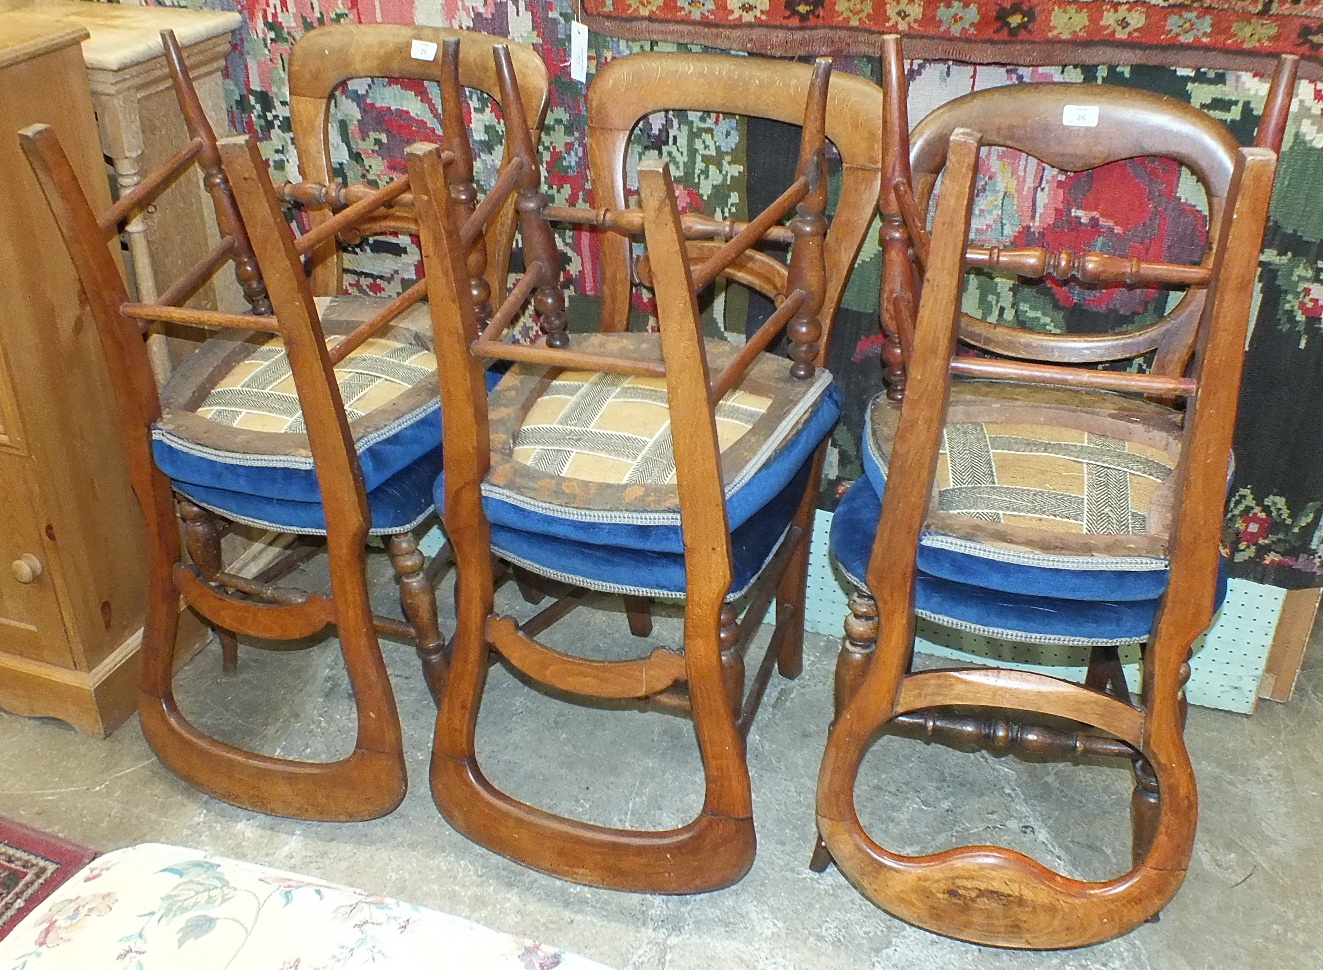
325, 58
627, 90
1210, 424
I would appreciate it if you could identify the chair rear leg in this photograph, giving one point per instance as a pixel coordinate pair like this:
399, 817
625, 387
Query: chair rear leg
638, 611
791, 594
792, 590
732, 660
202, 534
418, 599
530, 586
851, 664
1106, 674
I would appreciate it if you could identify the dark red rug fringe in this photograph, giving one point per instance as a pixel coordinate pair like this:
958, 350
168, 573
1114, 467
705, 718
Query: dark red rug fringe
33, 864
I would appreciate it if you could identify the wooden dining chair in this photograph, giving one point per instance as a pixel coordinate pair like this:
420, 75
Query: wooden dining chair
322, 60
281, 421
711, 515
1041, 499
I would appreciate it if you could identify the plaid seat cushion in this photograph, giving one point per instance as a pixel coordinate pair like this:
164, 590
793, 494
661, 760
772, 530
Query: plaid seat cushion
259, 394
582, 485
231, 434
614, 428
1045, 491
1049, 477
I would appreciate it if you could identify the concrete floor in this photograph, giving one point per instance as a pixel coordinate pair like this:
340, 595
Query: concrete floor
1253, 898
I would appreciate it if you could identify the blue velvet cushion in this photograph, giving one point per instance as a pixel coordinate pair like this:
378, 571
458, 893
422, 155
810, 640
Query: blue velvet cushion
627, 538
961, 601
396, 505
968, 606
267, 478
977, 550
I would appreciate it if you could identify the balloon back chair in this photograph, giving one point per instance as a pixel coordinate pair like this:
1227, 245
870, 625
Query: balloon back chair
706, 515
905, 236
1037, 501
278, 422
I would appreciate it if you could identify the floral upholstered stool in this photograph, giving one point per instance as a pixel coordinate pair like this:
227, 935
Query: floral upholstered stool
161, 906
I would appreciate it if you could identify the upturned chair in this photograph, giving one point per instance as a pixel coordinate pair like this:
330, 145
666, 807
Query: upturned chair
278, 422
716, 513
1036, 501
629, 89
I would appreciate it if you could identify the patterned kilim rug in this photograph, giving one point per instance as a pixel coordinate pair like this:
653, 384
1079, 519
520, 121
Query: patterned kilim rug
1225, 34
32, 865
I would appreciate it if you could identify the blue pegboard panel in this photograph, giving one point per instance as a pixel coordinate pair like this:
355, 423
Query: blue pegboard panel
1226, 668
432, 541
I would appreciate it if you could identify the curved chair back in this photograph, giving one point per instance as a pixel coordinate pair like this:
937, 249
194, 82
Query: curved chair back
323, 59
628, 89
1072, 128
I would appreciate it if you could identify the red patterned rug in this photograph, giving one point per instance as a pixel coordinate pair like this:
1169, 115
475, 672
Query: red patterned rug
32, 865
1242, 35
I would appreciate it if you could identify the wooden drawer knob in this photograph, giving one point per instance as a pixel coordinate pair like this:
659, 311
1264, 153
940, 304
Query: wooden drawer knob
26, 568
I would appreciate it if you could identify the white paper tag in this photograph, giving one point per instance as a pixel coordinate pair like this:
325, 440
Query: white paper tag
423, 50
578, 52
1080, 116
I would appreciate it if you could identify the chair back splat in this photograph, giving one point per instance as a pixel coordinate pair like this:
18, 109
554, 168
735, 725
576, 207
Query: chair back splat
1022, 493
287, 422
644, 464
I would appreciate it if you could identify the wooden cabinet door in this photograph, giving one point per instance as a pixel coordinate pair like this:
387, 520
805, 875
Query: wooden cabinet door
31, 624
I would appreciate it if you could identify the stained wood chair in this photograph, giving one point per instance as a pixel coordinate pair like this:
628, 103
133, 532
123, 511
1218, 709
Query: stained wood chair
278, 422
721, 512
1038, 501
325, 58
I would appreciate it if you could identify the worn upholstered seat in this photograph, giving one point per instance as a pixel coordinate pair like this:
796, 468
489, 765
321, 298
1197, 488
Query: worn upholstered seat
584, 461
232, 438
1050, 522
